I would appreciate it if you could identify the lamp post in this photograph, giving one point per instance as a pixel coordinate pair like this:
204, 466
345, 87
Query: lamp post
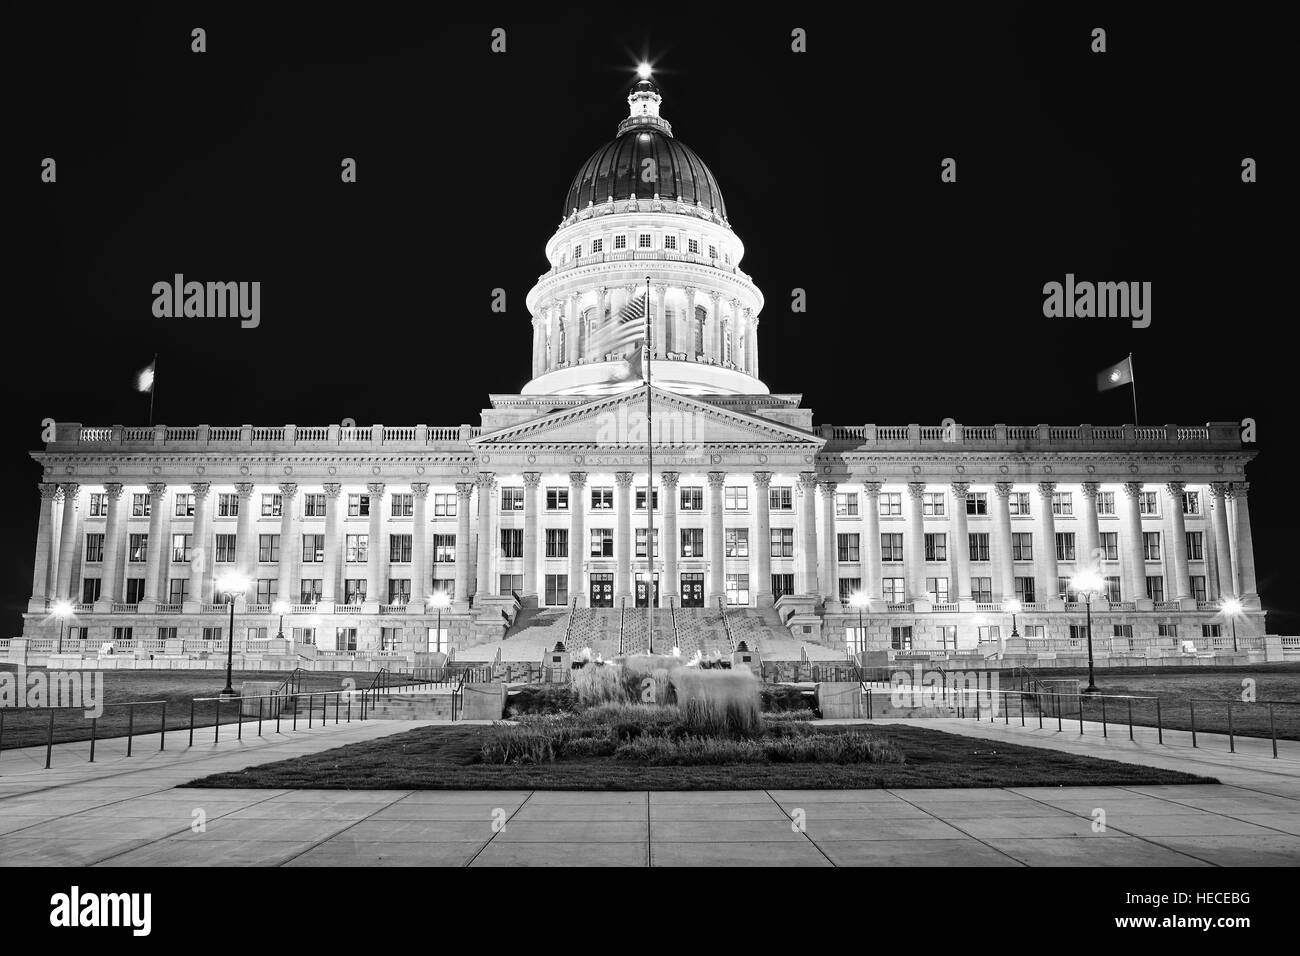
62, 611
1088, 583
230, 585
280, 608
1231, 608
1015, 607
439, 600
859, 600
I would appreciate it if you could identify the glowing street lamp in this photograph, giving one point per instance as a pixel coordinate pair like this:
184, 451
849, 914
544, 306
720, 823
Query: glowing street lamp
1088, 583
1015, 607
643, 70
231, 584
63, 611
439, 600
1232, 609
281, 608
862, 602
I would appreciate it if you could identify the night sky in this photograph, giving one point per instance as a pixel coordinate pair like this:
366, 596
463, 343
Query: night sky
924, 299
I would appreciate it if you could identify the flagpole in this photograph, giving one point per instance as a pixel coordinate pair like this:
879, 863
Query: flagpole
1133, 383
153, 387
651, 587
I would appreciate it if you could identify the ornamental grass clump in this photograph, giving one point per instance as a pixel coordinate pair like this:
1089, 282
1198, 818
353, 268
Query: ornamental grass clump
597, 684
721, 703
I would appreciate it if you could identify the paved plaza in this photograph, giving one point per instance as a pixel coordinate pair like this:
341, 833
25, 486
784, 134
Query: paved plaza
129, 812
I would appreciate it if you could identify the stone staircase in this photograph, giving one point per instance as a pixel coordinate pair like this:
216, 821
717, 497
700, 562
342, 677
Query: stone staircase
423, 705
701, 629
636, 631
595, 628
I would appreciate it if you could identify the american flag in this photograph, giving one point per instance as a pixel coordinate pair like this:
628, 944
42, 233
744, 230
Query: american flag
625, 335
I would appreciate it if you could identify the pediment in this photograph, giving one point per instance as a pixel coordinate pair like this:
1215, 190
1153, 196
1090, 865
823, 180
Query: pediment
677, 420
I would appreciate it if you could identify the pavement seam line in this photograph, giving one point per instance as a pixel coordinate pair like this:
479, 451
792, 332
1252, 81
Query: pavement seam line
816, 846
969, 836
345, 829
488, 841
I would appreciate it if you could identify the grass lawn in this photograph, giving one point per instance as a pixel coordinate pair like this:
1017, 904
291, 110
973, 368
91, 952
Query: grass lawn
446, 758
29, 727
1175, 688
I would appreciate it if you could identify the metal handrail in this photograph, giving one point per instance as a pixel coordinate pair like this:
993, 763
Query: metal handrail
1232, 736
568, 627
677, 634
622, 614
726, 624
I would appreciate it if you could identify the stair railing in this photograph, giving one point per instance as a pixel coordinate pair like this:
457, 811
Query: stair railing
726, 624
622, 613
568, 627
677, 634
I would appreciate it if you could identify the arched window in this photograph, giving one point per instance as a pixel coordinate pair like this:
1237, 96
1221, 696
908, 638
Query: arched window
584, 332
563, 351
701, 316
726, 340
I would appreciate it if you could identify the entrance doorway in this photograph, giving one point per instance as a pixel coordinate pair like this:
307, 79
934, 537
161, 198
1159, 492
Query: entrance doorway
602, 590
643, 589
693, 589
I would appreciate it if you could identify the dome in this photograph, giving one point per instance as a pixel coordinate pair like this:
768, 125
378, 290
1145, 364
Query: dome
617, 168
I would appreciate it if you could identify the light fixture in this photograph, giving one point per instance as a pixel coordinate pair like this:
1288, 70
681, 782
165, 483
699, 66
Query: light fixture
643, 70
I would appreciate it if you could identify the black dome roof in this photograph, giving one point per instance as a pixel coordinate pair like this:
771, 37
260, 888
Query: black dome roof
616, 170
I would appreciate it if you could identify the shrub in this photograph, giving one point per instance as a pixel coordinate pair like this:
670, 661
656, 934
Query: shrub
598, 684
515, 745
783, 698
690, 751
721, 703
629, 721
848, 747
580, 747
541, 699
646, 676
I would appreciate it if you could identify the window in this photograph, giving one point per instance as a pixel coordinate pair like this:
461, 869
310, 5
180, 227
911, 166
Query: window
979, 546
1195, 546
693, 246
227, 505
403, 505
782, 542
557, 499
936, 547
620, 242
640, 543
900, 638
1018, 503
1155, 587
989, 634
184, 506
557, 590
846, 546
946, 635
780, 498
309, 591
267, 590
512, 542
354, 591
272, 505
557, 543
512, 499
1065, 546
1197, 582
602, 542
1109, 545
358, 506
123, 634
225, 548
735, 498
444, 549
597, 246
141, 506
1111, 589
737, 542
1191, 502
399, 590
891, 504
643, 240
670, 242
313, 506
399, 548
692, 542
1211, 630
1034, 630
357, 547
693, 499
639, 499
390, 638
782, 584
713, 251
1078, 632
1065, 589
738, 589
855, 640
304, 635
602, 499
1148, 503
1063, 504
1106, 503
932, 504
212, 633
1151, 545
509, 583
178, 590
977, 503
1025, 589
846, 504
891, 547
981, 590
936, 589
137, 548
848, 588
893, 590
268, 548
98, 505
90, 589
180, 547
1166, 630
577, 251
1122, 630
1022, 546
444, 505
166, 633
313, 548
94, 548
345, 638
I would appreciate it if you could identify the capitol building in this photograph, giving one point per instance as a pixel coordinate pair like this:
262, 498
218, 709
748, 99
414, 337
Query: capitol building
809, 538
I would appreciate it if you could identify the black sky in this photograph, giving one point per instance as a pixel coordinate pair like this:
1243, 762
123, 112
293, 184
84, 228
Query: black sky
924, 299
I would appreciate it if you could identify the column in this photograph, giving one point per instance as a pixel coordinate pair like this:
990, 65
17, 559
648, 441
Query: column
110, 585
483, 584
1004, 581
45, 547
537, 347
460, 586
200, 548
688, 338
1182, 585
959, 545
532, 481
661, 342
1131, 543
375, 589
713, 341
1045, 553
334, 504
830, 558
807, 565
288, 551
1245, 546
419, 545
1091, 553
246, 541
1222, 551
597, 323
67, 542
155, 557
669, 546
715, 543
622, 537
914, 541
751, 352
870, 553
733, 335
761, 546
577, 542
571, 335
